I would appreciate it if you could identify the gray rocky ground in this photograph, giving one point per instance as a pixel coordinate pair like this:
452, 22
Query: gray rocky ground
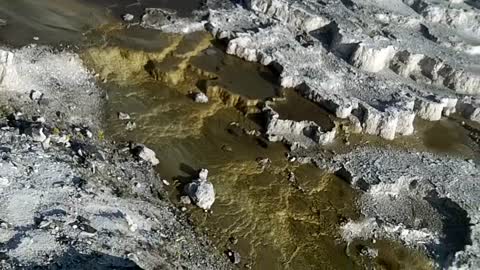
71, 200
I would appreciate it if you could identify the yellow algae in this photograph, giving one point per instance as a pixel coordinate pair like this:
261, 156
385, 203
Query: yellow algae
124, 66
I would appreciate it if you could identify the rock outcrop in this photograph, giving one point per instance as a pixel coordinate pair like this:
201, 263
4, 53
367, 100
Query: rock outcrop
144, 153
272, 32
415, 197
296, 133
470, 108
201, 191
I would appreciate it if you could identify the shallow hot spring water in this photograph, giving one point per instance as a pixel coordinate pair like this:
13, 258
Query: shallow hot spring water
272, 222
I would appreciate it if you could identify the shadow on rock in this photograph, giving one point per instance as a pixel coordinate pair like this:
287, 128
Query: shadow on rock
183, 180
72, 259
456, 228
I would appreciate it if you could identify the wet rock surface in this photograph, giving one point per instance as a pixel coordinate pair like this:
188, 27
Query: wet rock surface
380, 66
84, 209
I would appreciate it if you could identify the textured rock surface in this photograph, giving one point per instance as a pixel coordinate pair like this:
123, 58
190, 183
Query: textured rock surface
314, 45
433, 199
71, 200
201, 191
144, 153
296, 133
56, 79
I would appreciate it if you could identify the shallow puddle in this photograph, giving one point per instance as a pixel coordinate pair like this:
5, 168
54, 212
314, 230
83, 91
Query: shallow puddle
446, 136
236, 75
297, 108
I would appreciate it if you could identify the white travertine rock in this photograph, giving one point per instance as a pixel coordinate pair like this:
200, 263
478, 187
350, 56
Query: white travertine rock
341, 107
428, 109
200, 97
371, 119
240, 48
435, 71
203, 174
201, 191
405, 63
463, 82
292, 15
405, 122
404, 105
470, 108
302, 133
355, 124
466, 20
128, 17
145, 153
388, 125
38, 135
6, 60
372, 59
395, 119
450, 105
309, 68
428, 58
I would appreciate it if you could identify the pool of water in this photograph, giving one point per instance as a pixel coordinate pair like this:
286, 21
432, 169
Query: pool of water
297, 108
238, 76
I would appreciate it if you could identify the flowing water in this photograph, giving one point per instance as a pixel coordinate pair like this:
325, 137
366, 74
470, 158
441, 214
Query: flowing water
274, 220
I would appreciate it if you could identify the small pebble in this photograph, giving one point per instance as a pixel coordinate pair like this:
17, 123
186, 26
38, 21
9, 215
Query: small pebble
185, 200
130, 126
233, 240
234, 256
200, 97
123, 116
128, 17
36, 95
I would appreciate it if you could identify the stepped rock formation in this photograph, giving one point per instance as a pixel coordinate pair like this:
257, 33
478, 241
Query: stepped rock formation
296, 133
328, 50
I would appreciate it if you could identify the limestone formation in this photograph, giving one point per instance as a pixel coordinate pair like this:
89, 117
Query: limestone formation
201, 191
200, 97
372, 59
145, 153
429, 109
301, 133
470, 108
340, 80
